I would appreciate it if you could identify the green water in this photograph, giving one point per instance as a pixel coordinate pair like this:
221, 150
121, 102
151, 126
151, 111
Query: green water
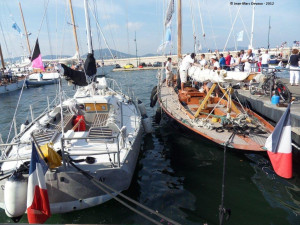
179, 174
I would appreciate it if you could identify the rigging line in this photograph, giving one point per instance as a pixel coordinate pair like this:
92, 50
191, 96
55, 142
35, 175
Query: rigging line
232, 28
127, 27
201, 20
99, 27
105, 187
5, 43
193, 24
39, 30
64, 26
15, 113
230, 14
56, 33
110, 29
211, 27
244, 27
49, 38
98, 34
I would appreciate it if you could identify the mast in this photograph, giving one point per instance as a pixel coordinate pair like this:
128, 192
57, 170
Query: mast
252, 27
26, 33
74, 28
269, 32
137, 60
179, 28
88, 27
2, 59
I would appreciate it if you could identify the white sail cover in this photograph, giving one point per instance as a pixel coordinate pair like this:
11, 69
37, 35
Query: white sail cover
216, 76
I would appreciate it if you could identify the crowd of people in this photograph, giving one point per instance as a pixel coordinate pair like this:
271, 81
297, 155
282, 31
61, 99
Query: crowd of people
241, 62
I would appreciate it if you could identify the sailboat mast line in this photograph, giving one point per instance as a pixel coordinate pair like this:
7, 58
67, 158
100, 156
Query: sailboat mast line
230, 14
232, 28
88, 28
74, 28
194, 28
44, 15
99, 27
25, 29
244, 26
110, 28
252, 25
49, 36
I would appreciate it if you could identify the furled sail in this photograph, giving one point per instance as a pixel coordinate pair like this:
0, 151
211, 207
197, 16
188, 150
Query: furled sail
79, 77
216, 76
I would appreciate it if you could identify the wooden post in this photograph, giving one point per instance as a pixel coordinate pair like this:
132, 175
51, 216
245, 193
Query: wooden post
28, 45
74, 28
179, 28
205, 99
233, 106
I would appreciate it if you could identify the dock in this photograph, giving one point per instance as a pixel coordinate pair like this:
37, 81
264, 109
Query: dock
262, 105
136, 68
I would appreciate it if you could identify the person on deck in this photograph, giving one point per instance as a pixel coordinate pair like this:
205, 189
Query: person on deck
169, 74
202, 61
265, 58
41, 76
237, 62
215, 66
250, 61
227, 61
222, 61
294, 64
186, 63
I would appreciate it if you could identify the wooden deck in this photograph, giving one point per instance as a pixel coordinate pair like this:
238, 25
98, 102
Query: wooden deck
170, 103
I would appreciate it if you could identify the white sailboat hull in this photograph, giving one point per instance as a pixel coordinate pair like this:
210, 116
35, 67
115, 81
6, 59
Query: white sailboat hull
11, 87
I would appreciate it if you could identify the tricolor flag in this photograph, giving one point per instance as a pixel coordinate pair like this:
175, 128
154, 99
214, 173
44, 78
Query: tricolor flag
279, 146
36, 58
38, 207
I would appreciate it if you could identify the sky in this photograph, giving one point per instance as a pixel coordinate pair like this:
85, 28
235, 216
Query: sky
121, 19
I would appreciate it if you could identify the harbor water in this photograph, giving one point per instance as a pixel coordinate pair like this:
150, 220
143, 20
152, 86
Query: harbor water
178, 174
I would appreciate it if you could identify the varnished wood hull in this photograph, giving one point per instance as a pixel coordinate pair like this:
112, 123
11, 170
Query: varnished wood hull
240, 143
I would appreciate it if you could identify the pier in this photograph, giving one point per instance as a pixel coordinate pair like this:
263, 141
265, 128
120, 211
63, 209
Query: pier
262, 105
159, 58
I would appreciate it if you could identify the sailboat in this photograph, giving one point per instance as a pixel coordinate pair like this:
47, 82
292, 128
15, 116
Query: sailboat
94, 138
8, 82
220, 119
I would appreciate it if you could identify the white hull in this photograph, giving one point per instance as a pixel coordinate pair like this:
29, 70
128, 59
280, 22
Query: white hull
112, 137
46, 76
11, 87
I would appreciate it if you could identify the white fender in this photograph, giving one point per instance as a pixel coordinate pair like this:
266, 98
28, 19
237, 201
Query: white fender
147, 124
22, 128
15, 196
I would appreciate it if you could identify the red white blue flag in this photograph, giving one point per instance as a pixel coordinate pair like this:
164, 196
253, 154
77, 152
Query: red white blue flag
38, 207
36, 58
279, 146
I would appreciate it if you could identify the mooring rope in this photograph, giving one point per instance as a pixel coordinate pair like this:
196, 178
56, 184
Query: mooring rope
105, 188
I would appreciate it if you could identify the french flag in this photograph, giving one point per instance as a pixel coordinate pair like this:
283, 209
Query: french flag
36, 58
38, 207
279, 146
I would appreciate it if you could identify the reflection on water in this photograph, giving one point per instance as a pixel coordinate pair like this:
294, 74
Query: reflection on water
178, 174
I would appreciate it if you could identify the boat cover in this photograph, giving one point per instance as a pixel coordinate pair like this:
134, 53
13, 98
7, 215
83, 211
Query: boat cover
216, 76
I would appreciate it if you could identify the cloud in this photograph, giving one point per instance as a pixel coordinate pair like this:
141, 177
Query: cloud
134, 25
111, 27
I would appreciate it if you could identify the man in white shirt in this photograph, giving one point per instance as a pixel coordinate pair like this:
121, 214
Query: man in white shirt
186, 63
169, 74
265, 58
202, 61
250, 61
215, 64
